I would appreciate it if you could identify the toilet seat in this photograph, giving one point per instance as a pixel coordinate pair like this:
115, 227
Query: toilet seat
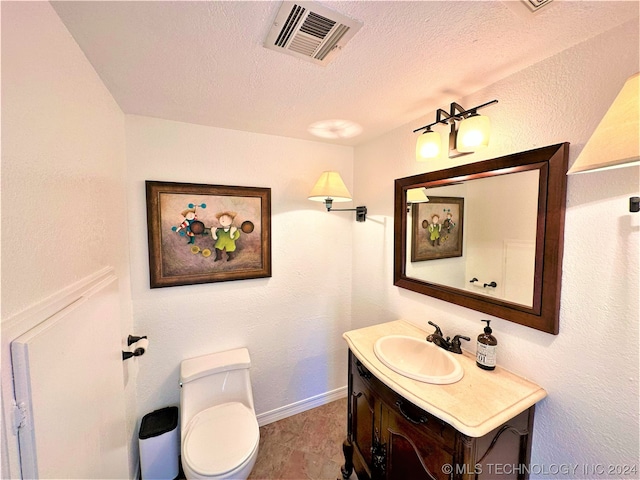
220, 439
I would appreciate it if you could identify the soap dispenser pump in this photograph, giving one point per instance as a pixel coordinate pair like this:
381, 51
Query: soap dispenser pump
486, 349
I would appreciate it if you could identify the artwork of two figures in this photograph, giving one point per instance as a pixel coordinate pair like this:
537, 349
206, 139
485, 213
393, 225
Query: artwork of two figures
225, 234
206, 233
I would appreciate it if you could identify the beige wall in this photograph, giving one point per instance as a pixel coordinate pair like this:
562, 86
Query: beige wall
63, 184
64, 216
292, 323
590, 369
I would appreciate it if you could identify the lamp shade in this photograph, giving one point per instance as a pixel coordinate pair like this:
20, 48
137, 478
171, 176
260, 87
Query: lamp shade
616, 140
473, 133
428, 146
417, 195
330, 185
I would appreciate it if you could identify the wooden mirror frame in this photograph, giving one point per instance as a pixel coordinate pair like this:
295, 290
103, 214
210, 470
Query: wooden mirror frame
552, 163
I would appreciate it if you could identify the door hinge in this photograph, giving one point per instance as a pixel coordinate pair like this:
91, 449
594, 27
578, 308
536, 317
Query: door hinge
19, 417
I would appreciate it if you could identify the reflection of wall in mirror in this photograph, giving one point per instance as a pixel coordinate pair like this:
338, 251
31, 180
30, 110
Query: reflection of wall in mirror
519, 271
501, 231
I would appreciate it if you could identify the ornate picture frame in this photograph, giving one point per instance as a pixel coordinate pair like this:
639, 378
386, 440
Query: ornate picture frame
437, 228
207, 233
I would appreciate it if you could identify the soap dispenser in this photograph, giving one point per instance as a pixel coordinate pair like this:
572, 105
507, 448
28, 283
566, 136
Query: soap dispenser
486, 350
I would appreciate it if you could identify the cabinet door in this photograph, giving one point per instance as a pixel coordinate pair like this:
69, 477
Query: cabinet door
415, 445
363, 418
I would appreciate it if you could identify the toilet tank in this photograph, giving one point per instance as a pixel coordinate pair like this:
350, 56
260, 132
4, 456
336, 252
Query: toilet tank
213, 379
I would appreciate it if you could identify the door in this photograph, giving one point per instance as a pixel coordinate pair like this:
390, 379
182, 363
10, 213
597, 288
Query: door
69, 382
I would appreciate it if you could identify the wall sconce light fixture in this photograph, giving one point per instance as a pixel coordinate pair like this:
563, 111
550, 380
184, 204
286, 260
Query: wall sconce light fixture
416, 195
615, 143
330, 188
472, 133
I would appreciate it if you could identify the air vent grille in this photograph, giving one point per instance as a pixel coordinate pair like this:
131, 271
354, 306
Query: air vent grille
332, 41
535, 5
290, 25
310, 31
317, 25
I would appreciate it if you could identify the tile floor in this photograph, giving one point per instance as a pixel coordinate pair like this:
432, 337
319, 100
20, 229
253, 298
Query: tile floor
307, 446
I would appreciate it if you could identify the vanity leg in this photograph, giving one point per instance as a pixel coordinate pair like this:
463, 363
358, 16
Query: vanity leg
347, 468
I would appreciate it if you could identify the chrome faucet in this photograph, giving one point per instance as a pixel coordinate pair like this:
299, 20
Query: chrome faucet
438, 339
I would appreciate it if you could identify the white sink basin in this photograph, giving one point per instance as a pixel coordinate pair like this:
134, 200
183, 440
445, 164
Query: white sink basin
418, 359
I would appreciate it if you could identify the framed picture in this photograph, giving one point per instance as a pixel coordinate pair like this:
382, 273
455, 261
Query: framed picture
207, 233
437, 227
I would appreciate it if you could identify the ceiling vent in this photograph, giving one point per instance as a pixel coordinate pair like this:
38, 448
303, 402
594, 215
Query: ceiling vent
310, 31
535, 5
525, 8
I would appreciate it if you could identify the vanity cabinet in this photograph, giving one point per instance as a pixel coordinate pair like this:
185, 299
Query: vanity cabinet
390, 438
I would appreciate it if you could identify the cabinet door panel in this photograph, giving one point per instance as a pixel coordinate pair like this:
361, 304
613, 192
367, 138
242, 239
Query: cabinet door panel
414, 453
363, 408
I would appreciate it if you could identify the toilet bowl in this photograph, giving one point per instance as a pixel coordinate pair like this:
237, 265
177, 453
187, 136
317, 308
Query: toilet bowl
219, 430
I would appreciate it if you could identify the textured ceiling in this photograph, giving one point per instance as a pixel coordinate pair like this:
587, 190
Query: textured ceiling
204, 62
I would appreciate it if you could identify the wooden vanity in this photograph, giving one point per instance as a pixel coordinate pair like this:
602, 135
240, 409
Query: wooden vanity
401, 429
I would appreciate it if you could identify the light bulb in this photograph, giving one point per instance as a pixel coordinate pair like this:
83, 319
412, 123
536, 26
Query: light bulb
473, 133
428, 146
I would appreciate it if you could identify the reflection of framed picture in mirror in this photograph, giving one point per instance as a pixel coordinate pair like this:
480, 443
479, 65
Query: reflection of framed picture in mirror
437, 228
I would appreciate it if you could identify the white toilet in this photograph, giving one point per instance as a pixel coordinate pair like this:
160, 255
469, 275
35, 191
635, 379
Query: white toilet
219, 430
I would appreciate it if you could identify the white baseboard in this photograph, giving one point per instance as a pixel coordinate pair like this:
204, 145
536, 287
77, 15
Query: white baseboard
301, 406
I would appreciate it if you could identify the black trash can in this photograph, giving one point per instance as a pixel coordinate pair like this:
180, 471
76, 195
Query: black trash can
159, 444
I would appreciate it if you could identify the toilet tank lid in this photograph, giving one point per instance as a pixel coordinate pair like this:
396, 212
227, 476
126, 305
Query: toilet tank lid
194, 368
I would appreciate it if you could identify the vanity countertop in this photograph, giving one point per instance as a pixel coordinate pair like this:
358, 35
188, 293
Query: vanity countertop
480, 402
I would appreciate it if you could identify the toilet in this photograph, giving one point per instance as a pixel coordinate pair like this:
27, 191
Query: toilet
219, 430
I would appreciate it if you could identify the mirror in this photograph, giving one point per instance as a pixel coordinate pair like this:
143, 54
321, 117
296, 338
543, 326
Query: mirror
487, 235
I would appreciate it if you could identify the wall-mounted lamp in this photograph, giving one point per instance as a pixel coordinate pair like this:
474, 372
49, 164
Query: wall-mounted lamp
416, 195
330, 188
472, 133
615, 143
